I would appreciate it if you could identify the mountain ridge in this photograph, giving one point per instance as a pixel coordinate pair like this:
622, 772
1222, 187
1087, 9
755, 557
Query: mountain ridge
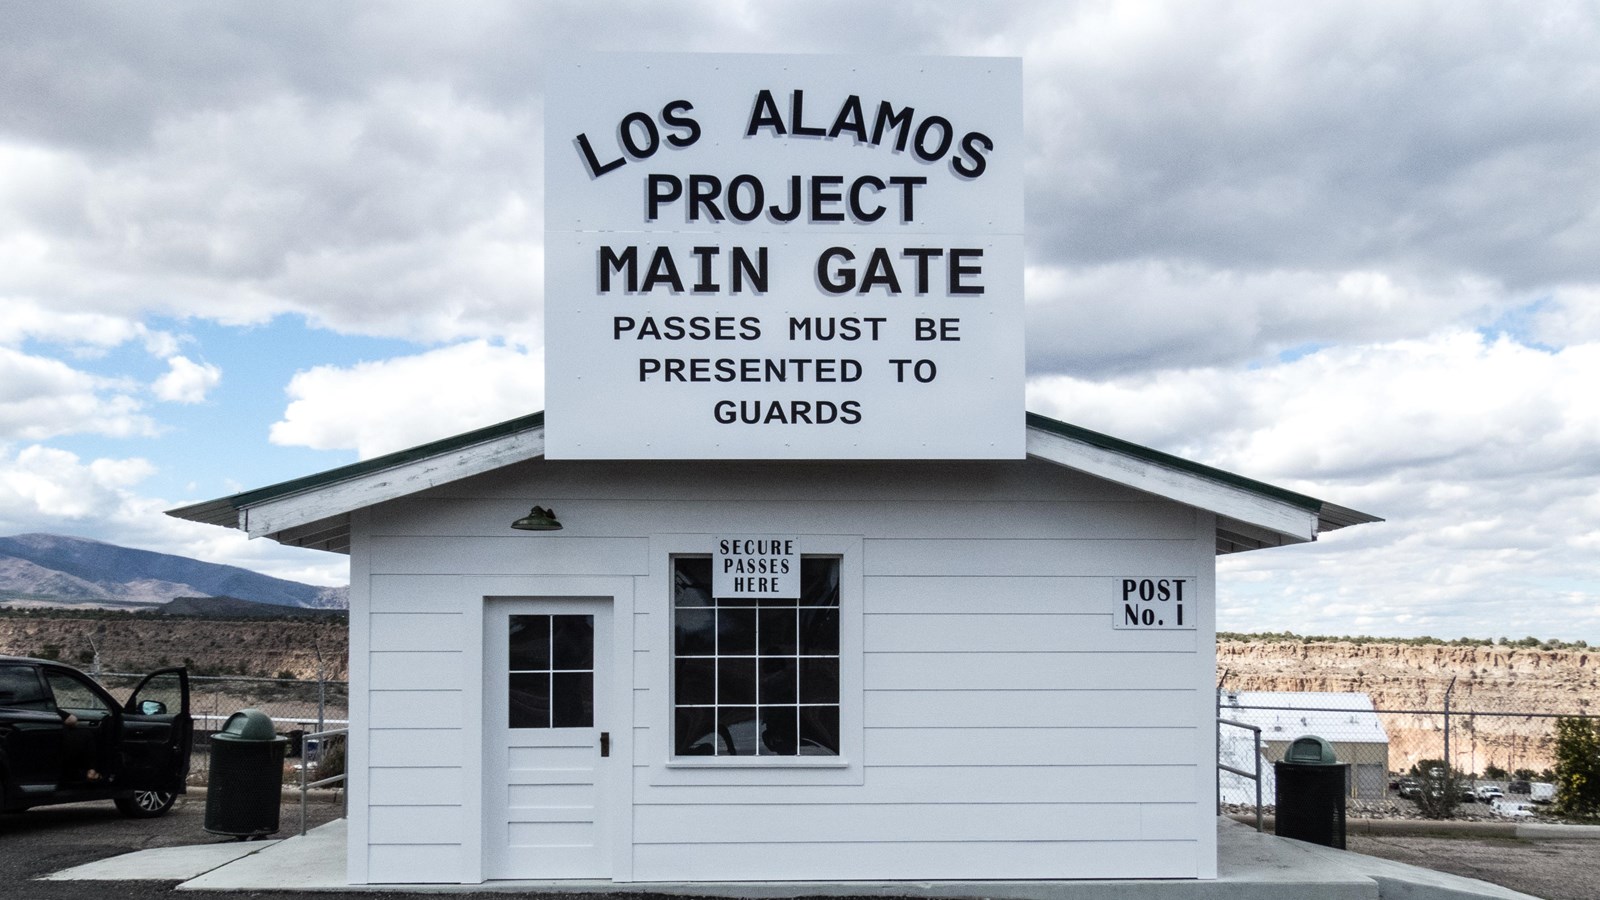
57, 570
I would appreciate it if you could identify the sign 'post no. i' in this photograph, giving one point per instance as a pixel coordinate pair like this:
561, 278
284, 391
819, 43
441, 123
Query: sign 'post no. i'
782, 257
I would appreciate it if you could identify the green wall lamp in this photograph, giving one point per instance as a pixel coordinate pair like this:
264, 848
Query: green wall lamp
539, 519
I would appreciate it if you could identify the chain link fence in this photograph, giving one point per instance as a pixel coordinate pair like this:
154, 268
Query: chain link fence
1500, 764
297, 708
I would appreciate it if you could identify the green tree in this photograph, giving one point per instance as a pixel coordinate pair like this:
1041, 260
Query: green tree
1577, 767
1439, 788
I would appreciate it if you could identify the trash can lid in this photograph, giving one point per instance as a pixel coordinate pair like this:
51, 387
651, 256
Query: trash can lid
1310, 750
248, 725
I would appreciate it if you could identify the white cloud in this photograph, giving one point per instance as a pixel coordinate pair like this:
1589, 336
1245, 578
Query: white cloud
397, 403
1263, 238
228, 547
1152, 315
42, 398
1414, 138
48, 490
82, 333
186, 381
411, 211
1478, 452
41, 484
1361, 411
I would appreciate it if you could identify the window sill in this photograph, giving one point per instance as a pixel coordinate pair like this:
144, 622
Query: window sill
759, 762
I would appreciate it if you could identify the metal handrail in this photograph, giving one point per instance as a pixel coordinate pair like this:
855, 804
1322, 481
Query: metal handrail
333, 779
1255, 754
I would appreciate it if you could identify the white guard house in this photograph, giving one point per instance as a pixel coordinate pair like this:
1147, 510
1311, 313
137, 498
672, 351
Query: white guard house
993, 669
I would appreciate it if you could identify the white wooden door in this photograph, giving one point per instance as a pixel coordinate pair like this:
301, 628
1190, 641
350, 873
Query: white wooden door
547, 665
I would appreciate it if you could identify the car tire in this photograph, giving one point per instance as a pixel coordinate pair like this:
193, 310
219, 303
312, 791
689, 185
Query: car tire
146, 804
5, 791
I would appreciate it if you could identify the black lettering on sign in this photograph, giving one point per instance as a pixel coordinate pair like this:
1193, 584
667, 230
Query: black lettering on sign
638, 137
745, 270
1154, 603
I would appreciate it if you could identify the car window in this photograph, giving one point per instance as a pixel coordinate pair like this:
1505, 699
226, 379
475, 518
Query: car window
20, 688
165, 688
75, 696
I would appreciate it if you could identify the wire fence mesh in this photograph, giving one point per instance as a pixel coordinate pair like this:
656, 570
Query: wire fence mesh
296, 707
1402, 762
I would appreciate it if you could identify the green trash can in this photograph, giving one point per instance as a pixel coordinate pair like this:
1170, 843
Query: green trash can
246, 786
1310, 793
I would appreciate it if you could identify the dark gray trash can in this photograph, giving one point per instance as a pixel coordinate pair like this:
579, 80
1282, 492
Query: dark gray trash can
246, 786
1311, 793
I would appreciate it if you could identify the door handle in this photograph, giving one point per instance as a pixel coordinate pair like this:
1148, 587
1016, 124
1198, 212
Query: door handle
605, 743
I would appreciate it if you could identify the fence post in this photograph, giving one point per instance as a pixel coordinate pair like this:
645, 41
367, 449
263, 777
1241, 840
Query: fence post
321, 706
1448, 762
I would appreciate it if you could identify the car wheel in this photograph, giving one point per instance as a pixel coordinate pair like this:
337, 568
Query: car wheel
146, 804
5, 790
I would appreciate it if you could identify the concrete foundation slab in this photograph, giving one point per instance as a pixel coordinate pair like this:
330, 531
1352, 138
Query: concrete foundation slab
161, 863
1251, 866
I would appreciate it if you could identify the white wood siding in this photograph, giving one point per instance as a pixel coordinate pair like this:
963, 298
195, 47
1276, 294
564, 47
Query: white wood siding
1006, 729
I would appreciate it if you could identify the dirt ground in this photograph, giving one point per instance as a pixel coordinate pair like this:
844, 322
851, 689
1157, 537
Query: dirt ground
1554, 870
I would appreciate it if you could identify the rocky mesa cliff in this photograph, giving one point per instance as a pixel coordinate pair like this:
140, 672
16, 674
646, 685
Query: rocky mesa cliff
1411, 680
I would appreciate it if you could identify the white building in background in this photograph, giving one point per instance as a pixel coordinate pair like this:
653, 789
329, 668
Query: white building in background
1346, 720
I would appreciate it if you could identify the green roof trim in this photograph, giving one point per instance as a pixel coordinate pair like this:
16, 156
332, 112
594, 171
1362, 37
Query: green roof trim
224, 510
1127, 448
379, 463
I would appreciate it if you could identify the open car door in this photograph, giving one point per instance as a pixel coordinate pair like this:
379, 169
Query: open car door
157, 733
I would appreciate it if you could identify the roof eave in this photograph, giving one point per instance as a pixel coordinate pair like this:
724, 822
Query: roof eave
314, 511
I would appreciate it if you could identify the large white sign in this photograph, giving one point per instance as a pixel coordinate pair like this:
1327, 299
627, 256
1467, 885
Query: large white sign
783, 257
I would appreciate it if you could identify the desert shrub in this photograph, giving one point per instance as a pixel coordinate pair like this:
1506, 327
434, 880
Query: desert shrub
1577, 767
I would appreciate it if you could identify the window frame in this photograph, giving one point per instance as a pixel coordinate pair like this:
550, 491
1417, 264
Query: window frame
797, 657
666, 768
551, 670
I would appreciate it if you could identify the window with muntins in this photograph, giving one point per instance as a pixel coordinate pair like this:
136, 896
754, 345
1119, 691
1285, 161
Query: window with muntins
756, 677
551, 682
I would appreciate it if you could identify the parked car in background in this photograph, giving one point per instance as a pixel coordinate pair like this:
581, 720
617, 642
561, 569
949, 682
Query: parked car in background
1513, 809
1488, 793
1542, 792
65, 739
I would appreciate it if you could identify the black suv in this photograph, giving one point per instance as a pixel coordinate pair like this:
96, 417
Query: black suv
64, 739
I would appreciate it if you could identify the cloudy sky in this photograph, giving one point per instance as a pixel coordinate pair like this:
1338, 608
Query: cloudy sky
1347, 248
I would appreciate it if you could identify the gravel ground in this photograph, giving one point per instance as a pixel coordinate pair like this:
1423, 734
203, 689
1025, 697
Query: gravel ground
52, 838
1554, 870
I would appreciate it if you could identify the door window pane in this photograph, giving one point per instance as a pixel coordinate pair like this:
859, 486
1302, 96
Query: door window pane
572, 642
530, 700
572, 703
551, 682
530, 643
